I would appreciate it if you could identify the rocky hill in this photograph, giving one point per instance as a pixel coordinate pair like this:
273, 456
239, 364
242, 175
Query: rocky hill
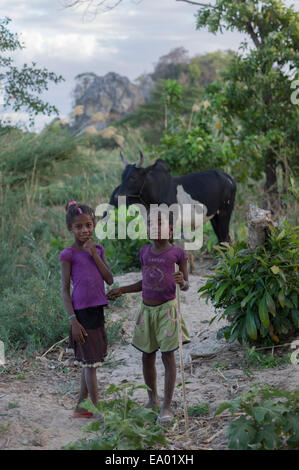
99, 101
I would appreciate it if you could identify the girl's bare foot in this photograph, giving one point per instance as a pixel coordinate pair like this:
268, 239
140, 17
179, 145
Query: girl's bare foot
152, 404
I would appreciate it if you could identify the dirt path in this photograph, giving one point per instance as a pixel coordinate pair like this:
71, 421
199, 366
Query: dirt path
37, 397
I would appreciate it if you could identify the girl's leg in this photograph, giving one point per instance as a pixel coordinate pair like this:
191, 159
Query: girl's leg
91, 383
83, 393
150, 378
169, 383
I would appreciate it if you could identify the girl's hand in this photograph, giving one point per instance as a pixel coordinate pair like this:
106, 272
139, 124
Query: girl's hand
90, 246
78, 332
114, 293
179, 278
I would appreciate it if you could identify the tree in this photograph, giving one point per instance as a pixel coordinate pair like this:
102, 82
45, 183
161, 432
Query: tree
254, 102
21, 88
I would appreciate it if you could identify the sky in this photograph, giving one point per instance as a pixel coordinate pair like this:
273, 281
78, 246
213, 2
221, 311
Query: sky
127, 40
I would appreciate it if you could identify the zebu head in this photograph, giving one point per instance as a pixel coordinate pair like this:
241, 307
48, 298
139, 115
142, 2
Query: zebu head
142, 185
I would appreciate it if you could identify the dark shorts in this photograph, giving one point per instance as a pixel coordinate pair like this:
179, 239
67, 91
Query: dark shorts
93, 352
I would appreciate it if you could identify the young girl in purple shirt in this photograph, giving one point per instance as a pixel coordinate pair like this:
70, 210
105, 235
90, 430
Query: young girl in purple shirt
156, 324
84, 263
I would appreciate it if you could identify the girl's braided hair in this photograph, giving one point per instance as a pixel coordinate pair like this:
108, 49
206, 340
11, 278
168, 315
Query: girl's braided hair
75, 208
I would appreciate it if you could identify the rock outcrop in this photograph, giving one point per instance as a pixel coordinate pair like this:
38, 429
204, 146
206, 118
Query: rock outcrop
99, 101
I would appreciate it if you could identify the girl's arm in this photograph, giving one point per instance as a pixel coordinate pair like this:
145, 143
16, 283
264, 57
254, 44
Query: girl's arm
114, 293
136, 287
181, 276
65, 291
78, 331
103, 267
101, 262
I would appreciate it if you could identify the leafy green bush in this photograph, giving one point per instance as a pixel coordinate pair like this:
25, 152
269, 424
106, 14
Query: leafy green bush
270, 420
191, 148
125, 424
258, 291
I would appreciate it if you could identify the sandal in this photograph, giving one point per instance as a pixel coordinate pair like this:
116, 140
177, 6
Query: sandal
165, 420
85, 414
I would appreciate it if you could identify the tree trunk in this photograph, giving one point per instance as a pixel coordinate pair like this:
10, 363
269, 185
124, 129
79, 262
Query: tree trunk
258, 223
272, 200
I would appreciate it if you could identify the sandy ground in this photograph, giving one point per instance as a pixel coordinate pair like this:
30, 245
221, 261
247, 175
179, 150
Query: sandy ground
37, 397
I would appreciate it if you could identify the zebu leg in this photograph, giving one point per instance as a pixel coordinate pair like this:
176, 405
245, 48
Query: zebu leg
220, 224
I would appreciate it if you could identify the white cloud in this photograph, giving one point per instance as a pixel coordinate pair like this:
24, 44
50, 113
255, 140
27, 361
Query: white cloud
72, 47
22, 120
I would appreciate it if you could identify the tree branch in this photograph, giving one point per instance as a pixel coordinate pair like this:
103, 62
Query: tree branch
251, 32
253, 35
197, 3
97, 4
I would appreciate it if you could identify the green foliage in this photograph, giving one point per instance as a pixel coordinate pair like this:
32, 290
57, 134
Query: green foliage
113, 329
259, 360
23, 87
125, 424
191, 146
172, 94
22, 158
253, 101
257, 292
33, 317
199, 409
270, 420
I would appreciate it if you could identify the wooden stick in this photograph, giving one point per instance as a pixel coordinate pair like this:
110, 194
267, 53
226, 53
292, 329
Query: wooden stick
272, 347
53, 346
181, 354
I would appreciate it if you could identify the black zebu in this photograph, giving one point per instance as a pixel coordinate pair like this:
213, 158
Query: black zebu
155, 185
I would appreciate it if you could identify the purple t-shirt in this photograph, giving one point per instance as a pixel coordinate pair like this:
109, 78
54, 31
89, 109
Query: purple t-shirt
157, 272
88, 283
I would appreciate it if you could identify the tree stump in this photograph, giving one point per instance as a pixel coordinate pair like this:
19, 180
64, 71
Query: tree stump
258, 223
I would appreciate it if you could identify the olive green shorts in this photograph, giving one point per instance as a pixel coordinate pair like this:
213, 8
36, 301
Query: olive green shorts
156, 328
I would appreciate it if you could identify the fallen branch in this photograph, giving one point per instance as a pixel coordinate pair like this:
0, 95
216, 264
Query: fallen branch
53, 346
272, 347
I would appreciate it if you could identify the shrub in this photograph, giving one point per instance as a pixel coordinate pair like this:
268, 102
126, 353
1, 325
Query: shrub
269, 420
126, 425
257, 292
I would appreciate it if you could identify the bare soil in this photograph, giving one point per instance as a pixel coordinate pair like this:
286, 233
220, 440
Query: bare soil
37, 396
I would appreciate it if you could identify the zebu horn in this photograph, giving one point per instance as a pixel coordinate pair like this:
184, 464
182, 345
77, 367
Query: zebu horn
123, 159
141, 160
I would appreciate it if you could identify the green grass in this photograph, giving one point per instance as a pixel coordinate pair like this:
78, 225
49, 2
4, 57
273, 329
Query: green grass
263, 360
199, 409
